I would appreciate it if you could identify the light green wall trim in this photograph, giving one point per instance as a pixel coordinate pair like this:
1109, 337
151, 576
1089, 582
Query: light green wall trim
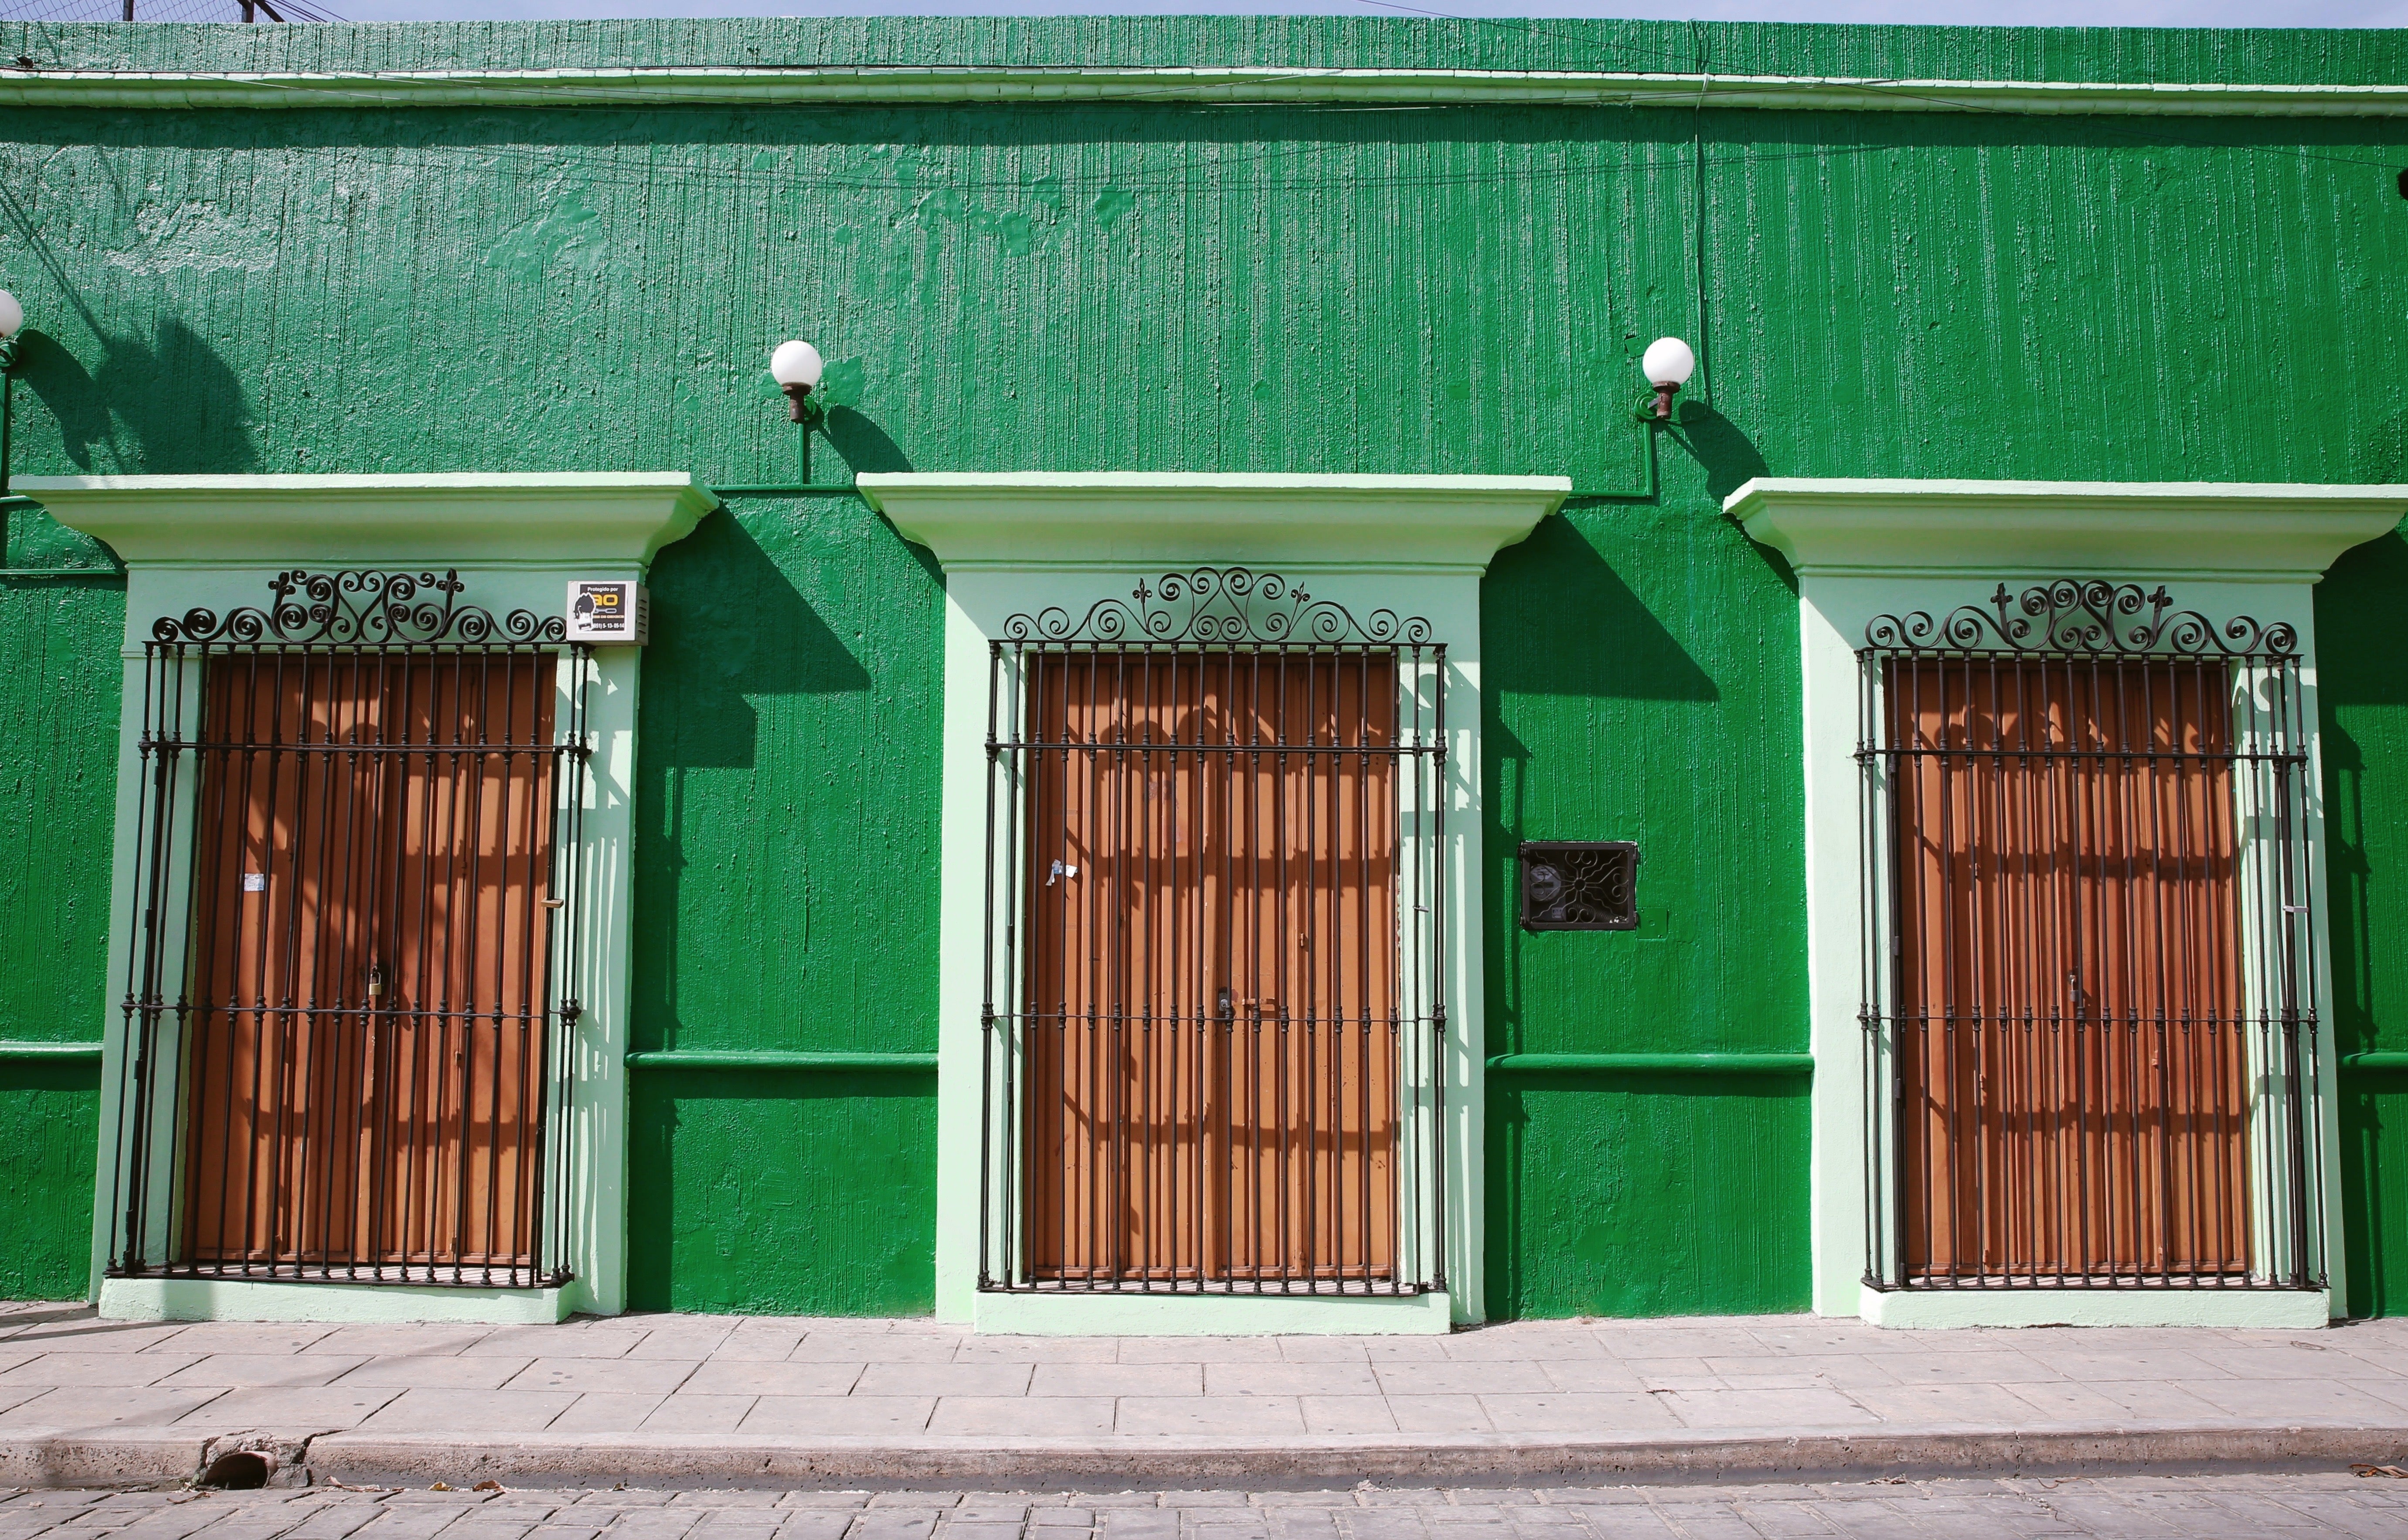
215, 1300
462, 520
516, 540
2235, 531
1020, 543
49, 1051
1703, 1063
1863, 548
2375, 1061
773, 1061
1065, 520
1217, 1316
833, 85
2232, 1309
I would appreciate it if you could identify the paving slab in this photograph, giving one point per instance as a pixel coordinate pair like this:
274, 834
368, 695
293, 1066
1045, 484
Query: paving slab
638, 1397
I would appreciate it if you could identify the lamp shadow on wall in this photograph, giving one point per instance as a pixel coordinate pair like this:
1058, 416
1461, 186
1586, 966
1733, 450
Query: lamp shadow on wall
728, 625
729, 628
1559, 621
1578, 631
1728, 458
861, 443
168, 406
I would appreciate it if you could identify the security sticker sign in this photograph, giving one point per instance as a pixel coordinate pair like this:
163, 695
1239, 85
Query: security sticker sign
607, 612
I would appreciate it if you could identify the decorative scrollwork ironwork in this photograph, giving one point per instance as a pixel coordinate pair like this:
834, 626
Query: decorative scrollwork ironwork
1580, 885
1220, 606
2080, 617
361, 609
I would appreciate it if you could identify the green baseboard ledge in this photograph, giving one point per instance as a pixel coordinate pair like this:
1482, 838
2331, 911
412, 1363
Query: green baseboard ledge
777, 1062
49, 1053
2391, 1059
1702, 1063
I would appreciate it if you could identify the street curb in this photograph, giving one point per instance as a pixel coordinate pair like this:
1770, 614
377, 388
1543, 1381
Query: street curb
697, 1458
100, 1457
153, 1457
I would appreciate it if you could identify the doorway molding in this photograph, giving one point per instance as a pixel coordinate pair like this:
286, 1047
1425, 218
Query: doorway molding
1017, 542
1861, 547
516, 540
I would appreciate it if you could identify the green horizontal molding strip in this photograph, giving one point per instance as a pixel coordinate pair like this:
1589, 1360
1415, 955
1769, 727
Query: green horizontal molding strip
2391, 1059
49, 1053
1265, 84
780, 1062
815, 489
1766, 1064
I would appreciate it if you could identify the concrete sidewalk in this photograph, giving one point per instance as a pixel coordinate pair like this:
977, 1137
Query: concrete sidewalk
694, 1398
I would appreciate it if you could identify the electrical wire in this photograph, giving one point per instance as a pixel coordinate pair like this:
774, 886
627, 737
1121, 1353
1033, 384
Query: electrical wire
190, 12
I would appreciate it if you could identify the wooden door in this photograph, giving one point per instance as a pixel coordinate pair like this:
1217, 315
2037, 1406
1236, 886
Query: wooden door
371, 928
1212, 969
2073, 1066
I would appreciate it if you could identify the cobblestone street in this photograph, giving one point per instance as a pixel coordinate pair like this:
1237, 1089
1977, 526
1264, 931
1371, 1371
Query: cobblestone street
2219, 1505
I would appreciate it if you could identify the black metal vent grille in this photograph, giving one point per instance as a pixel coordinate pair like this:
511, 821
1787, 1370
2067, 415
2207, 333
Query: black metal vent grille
1580, 885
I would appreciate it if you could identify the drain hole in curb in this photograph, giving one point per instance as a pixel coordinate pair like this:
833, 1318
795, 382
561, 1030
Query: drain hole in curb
241, 1471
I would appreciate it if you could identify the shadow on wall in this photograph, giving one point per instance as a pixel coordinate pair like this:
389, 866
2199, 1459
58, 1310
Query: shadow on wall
1730, 461
1715, 442
2362, 680
169, 406
862, 443
727, 625
733, 1167
1583, 632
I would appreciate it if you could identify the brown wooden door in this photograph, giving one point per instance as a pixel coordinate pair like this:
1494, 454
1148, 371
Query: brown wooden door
370, 929
2073, 1067
1212, 969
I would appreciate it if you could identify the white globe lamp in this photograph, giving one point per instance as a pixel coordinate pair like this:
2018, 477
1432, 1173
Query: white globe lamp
796, 367
1668, 364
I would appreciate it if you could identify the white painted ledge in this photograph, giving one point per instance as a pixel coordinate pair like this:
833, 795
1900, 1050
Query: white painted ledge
549, 518
1040, 84
2234, 531
2231, 1309
222, 1300
1049, 519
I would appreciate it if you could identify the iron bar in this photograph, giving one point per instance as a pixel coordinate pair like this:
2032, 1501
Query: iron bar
1208, 811
360, 868
2089, 1000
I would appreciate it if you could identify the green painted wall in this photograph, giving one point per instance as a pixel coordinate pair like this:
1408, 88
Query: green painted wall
1642, 680
2362, 654
786, 898
59, 687
1157, 286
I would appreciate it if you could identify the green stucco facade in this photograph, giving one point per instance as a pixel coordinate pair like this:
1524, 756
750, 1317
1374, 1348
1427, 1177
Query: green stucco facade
1152, 284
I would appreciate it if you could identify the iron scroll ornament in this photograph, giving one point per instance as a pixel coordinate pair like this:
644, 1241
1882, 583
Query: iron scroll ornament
2080, 617
1220, 606
361, 609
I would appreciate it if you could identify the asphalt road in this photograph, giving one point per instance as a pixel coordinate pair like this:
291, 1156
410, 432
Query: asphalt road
2223, 1506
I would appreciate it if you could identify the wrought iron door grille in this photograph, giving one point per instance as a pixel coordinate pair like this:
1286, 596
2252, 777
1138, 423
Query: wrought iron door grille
347, 1027
2090, 1032
1214, 1007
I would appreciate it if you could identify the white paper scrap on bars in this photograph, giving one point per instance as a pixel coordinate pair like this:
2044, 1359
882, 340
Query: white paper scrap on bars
255, 882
